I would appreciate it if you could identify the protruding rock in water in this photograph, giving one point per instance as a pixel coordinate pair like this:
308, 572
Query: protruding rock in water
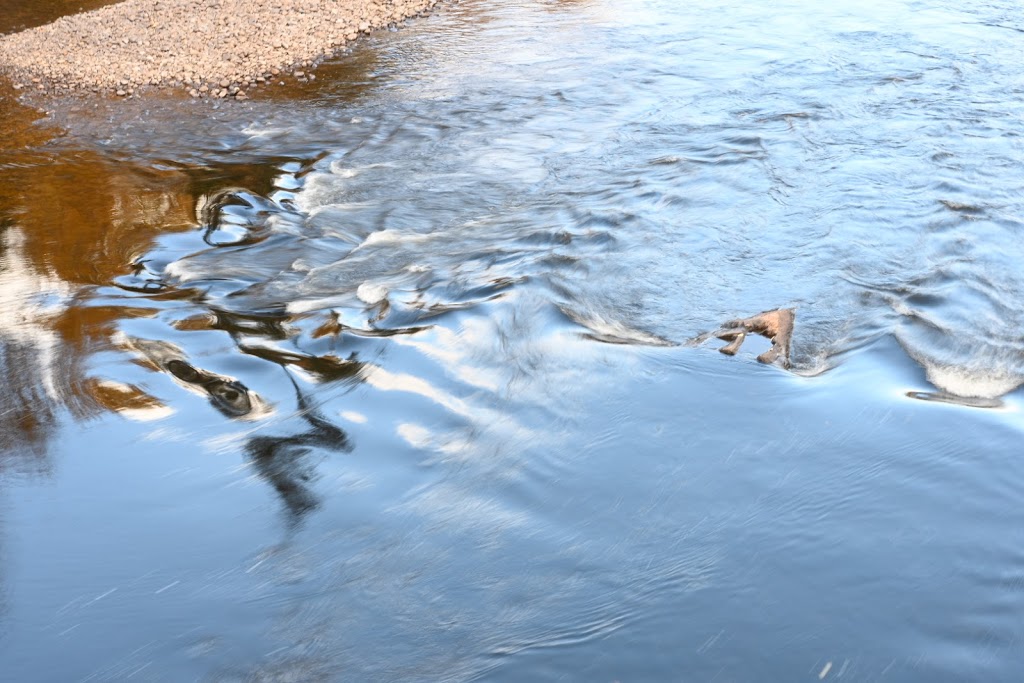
737, 341
226, 394
229, 396
776, 325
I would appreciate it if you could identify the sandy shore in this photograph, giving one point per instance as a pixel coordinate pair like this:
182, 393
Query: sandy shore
214, 48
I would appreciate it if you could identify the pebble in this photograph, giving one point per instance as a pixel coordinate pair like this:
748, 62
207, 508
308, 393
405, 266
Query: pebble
185, 43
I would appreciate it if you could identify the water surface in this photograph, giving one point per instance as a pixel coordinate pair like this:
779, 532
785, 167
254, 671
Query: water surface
387, 376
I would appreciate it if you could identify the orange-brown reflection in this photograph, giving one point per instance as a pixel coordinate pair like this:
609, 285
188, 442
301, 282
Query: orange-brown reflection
72, 221
18, 127
78, 220
86, 219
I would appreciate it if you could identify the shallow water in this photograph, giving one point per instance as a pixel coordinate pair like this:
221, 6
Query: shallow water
388, 376
17, 15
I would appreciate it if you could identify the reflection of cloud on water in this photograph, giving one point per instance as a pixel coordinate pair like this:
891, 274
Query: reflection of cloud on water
455, 508
34, 373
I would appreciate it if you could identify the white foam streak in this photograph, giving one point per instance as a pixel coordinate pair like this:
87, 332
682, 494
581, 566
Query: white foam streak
969, 383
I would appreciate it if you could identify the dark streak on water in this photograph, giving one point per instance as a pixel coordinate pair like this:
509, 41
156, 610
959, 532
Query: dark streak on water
318, 387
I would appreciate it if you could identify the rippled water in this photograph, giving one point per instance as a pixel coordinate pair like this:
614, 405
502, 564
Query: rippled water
390, 376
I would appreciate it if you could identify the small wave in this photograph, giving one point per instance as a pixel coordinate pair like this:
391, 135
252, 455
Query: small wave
609, 331
968, 382
393, 237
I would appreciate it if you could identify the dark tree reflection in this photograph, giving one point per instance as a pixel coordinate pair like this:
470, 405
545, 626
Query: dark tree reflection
283, 460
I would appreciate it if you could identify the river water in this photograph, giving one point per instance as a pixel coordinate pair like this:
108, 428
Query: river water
387, 376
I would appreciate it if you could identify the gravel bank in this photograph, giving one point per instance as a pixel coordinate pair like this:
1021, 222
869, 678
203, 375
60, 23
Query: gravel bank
214, 48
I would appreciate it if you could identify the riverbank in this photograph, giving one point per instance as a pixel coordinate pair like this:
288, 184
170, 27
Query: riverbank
214, 48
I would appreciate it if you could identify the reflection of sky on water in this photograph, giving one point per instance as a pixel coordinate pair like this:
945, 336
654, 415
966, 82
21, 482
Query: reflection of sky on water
415, 265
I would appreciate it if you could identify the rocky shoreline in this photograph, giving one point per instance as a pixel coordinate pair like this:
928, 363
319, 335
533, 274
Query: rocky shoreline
213, 48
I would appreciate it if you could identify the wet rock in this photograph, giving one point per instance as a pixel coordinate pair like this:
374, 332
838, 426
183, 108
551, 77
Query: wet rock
229, 396
775, 325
